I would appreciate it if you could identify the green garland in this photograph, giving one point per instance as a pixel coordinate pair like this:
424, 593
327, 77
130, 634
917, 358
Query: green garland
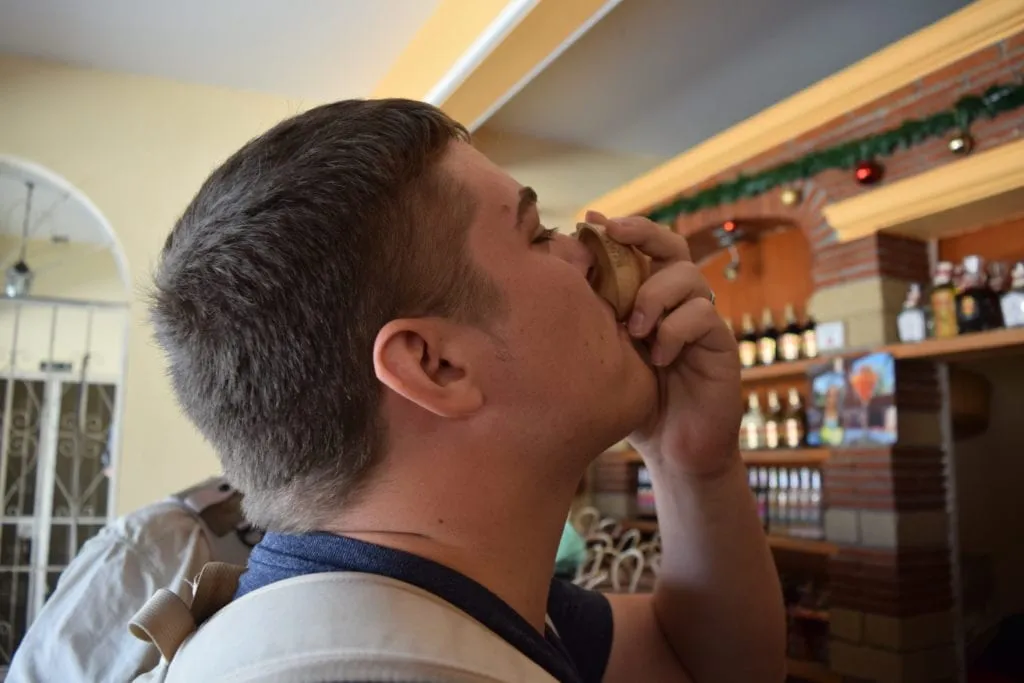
996, 100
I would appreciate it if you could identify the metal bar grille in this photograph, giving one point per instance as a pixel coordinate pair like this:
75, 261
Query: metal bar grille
55, 435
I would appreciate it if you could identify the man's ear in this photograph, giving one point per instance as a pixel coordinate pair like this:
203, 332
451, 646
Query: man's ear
425, 361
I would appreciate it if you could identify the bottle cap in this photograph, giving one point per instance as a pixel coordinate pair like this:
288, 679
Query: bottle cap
619, 269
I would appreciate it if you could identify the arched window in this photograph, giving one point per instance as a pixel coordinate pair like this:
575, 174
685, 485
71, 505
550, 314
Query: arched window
63, 325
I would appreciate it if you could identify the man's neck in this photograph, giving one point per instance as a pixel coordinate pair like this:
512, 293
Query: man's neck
502, 532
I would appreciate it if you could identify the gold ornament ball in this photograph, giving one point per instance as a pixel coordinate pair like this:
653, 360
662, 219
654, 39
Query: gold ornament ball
961, 144
791, 196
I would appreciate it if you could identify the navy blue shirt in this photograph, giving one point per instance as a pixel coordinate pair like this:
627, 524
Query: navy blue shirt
583, 619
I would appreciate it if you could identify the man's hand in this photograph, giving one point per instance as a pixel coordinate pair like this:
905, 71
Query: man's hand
717, 603
697, 421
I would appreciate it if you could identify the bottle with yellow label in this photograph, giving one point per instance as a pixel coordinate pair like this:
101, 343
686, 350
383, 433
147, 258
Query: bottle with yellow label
748, 343
792, 336
768, 341
943, 298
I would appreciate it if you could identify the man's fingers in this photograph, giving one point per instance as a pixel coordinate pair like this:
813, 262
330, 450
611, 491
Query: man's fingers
658, 242
664, 291
688, 324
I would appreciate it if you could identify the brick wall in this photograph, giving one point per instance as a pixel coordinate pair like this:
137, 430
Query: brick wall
1000, 63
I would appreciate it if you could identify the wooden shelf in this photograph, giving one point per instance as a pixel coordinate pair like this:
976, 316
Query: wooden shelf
811, 671
781, 370
802, 545
979, 189
775, 456
786, 456
808, 614
963, 346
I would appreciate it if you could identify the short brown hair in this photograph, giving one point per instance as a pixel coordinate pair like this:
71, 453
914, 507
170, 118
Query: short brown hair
274, 283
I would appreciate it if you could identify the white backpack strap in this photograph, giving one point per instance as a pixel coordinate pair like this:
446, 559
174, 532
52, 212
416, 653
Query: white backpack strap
343, 626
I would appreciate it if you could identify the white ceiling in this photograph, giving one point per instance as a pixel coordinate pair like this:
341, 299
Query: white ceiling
309, 49
656, 77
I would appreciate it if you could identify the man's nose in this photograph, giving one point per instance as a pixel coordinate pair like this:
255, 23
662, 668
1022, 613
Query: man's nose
573, 251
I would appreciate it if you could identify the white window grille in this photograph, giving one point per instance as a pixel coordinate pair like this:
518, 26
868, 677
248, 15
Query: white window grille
58, 437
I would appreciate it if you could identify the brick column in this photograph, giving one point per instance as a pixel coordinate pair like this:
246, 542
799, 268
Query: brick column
863, 283
891, 585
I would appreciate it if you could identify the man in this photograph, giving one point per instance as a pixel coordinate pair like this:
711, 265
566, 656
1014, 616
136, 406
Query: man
406, 374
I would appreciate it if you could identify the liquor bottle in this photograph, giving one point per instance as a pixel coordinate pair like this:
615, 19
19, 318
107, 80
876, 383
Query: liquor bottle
782, 497
816, 527
793, 420
958, 278
943, 297
809, 338
795, 503
773, 500
1012, 303
911, 322
998, 277
752, 425
762, 496
748, 343
773, 421
806, 513
792, 336
977, 306
754, 491
767, 342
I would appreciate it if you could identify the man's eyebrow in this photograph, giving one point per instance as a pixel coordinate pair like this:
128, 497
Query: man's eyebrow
527, 198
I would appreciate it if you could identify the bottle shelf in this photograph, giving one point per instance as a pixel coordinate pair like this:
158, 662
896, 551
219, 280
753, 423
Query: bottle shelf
802, 545
780, 370
774, 456
786, 456
962, 347
808, 614
811, 671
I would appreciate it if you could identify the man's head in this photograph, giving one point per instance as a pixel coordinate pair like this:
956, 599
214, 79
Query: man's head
359, 278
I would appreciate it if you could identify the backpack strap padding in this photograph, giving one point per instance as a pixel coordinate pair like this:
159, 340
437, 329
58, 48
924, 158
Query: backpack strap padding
165, 620
215, 588
344, 626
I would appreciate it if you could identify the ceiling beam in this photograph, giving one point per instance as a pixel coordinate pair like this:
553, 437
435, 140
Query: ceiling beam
973, 28
472, 58
455, 32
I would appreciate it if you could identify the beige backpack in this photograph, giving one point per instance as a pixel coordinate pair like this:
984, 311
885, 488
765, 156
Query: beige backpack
331, 627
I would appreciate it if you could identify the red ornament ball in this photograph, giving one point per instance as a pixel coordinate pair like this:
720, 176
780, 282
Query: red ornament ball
868, 172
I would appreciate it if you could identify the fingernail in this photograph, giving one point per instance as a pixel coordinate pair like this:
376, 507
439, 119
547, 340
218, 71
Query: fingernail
657, 356
636, 322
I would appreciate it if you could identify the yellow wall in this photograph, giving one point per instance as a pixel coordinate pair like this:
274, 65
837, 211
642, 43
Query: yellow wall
139, 148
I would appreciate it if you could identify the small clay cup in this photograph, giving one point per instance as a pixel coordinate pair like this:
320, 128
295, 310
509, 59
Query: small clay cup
619, 269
